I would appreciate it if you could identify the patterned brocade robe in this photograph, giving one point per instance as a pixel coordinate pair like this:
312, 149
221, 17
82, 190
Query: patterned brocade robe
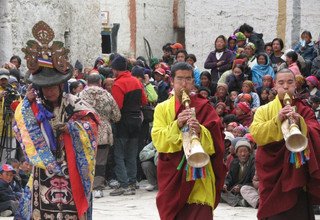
61, 182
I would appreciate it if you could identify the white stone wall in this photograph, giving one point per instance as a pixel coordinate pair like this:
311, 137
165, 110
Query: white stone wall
154, 22
118, 13
207, 19
79, 18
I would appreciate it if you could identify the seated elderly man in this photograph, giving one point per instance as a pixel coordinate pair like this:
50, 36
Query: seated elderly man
241, 173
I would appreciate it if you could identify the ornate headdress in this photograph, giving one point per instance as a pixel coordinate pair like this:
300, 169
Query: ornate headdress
48, 64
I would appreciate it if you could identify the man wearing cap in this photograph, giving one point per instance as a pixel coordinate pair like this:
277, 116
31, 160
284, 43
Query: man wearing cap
129, 94
241, 172
180, 197
9, 202
161, 86
175, 47
58, 133
288, 181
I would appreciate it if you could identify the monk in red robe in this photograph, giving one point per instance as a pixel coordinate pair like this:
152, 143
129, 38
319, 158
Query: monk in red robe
178, 196
289, 182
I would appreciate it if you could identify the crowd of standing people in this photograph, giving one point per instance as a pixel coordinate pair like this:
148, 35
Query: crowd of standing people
121, 120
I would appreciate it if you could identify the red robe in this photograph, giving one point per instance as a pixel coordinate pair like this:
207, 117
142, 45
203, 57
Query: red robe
280, 182
177, 190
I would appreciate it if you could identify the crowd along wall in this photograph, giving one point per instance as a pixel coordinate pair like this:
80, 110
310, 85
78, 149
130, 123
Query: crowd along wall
207, 19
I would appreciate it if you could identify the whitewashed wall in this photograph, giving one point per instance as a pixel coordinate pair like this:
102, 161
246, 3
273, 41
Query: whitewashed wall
79, 18
154, 22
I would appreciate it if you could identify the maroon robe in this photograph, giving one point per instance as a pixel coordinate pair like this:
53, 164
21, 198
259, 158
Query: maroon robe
280, 182
174, 190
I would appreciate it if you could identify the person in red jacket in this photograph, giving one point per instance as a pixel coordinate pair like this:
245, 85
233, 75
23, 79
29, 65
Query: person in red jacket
129, 94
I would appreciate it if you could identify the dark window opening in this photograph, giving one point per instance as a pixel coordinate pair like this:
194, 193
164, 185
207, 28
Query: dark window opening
106, 43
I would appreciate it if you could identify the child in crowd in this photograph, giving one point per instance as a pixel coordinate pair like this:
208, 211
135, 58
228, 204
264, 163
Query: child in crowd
244, 114
264, 96
302, 91
267, 82
313, 84
239, 131
272, 94
204, 92
9, 201
248, 88
221, 109
235, 80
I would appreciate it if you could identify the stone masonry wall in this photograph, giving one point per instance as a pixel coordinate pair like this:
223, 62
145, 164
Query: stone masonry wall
76, 19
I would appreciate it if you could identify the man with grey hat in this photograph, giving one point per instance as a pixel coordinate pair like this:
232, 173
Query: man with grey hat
241, 173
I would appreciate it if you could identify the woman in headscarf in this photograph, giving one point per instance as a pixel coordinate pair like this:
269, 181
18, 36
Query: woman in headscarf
250, 50
313, 85
261, 69
248, 88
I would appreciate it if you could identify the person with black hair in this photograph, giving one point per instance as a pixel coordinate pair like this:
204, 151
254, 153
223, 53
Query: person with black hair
16, 60
306, 46
219, 60
129, 94
275, 57
205, 81
167, 56
253, 37
292, 62
268, 48
191, 59
194, 197
181, 55
235, 80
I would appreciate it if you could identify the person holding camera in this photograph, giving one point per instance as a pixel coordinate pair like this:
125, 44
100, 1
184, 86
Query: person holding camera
7, 140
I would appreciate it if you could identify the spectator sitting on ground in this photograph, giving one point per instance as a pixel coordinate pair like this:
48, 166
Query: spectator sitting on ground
250, 192
24, 171
16, 183
244, 114
9, 202
302, 91
264, 96
272, 94
239, 131
313, 84
149, 160
221, 109
248, 88
241, 173
260, 69
228, 138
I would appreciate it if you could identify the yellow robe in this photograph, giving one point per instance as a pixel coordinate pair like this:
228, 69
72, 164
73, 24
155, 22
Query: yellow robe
167, 138
266, 126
